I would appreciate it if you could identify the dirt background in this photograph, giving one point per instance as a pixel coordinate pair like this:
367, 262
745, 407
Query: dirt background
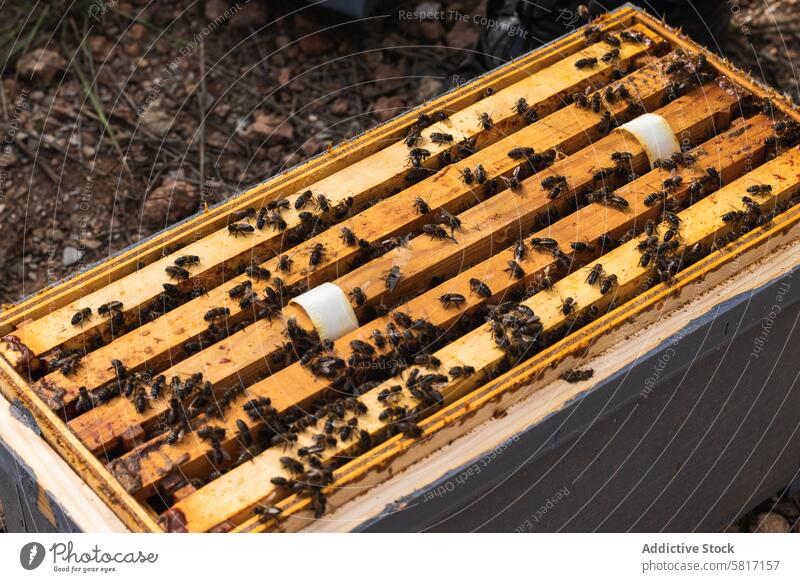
120, 118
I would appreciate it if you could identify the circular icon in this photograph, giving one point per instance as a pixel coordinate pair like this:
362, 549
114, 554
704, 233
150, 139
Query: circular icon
31, 555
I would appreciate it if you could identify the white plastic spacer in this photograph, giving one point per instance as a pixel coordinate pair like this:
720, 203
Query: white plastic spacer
655, 135
329, 310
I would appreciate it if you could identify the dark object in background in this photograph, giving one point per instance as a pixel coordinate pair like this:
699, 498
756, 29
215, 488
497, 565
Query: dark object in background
357, 8
546, 20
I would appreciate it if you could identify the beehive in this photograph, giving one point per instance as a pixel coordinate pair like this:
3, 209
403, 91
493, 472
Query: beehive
565, 227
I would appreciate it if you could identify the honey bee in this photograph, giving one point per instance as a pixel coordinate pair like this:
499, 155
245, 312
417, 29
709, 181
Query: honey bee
392, 278
654, 197
551, 181
435, 231
461, 371
444, 217
621, 157
303, 199
568, 306
357, 296
237, 229
485, 121
621, 91
586, 63
109, 308
452, 300
285, 263
582, 247
244, 214
581, 100
240, 289
441, 138
521, 152
216, 313
632, 36
480, 174
119, 369
421, 206
279, 204
760, 189
594, 274
257, 273
543, 243
261, 219
610, 55
513, 183
317, 255
573, 376
276, 221
81, 316
348, 236
178, 273
515, 270
608, 283
520, 250
187, 261
480, 288
413, 137
520, 106
595, 102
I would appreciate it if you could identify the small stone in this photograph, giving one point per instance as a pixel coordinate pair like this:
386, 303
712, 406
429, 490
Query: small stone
215, 9
311, 147
388, 107
462, 35
316, 44
92, 244
769, 523
40, 64
270, 127
432, 30
253, 15
787, 509
137, 31
173, 200
429, 87
156, 119
100, 46
339, 107
70, 256
284, 75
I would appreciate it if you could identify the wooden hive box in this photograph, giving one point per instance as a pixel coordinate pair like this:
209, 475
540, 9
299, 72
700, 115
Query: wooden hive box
488, 243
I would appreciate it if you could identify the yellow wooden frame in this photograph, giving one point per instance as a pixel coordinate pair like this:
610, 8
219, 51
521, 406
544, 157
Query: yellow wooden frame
137, 517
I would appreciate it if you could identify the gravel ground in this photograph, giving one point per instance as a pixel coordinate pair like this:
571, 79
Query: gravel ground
101, 114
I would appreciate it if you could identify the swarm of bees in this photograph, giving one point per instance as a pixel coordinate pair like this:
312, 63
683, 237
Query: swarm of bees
402, 346
516, 329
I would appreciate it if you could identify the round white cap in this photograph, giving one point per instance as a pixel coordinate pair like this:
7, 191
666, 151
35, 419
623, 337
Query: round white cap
329, 310
654, 134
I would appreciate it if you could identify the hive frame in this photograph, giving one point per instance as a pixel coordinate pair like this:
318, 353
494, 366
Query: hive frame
132, 513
